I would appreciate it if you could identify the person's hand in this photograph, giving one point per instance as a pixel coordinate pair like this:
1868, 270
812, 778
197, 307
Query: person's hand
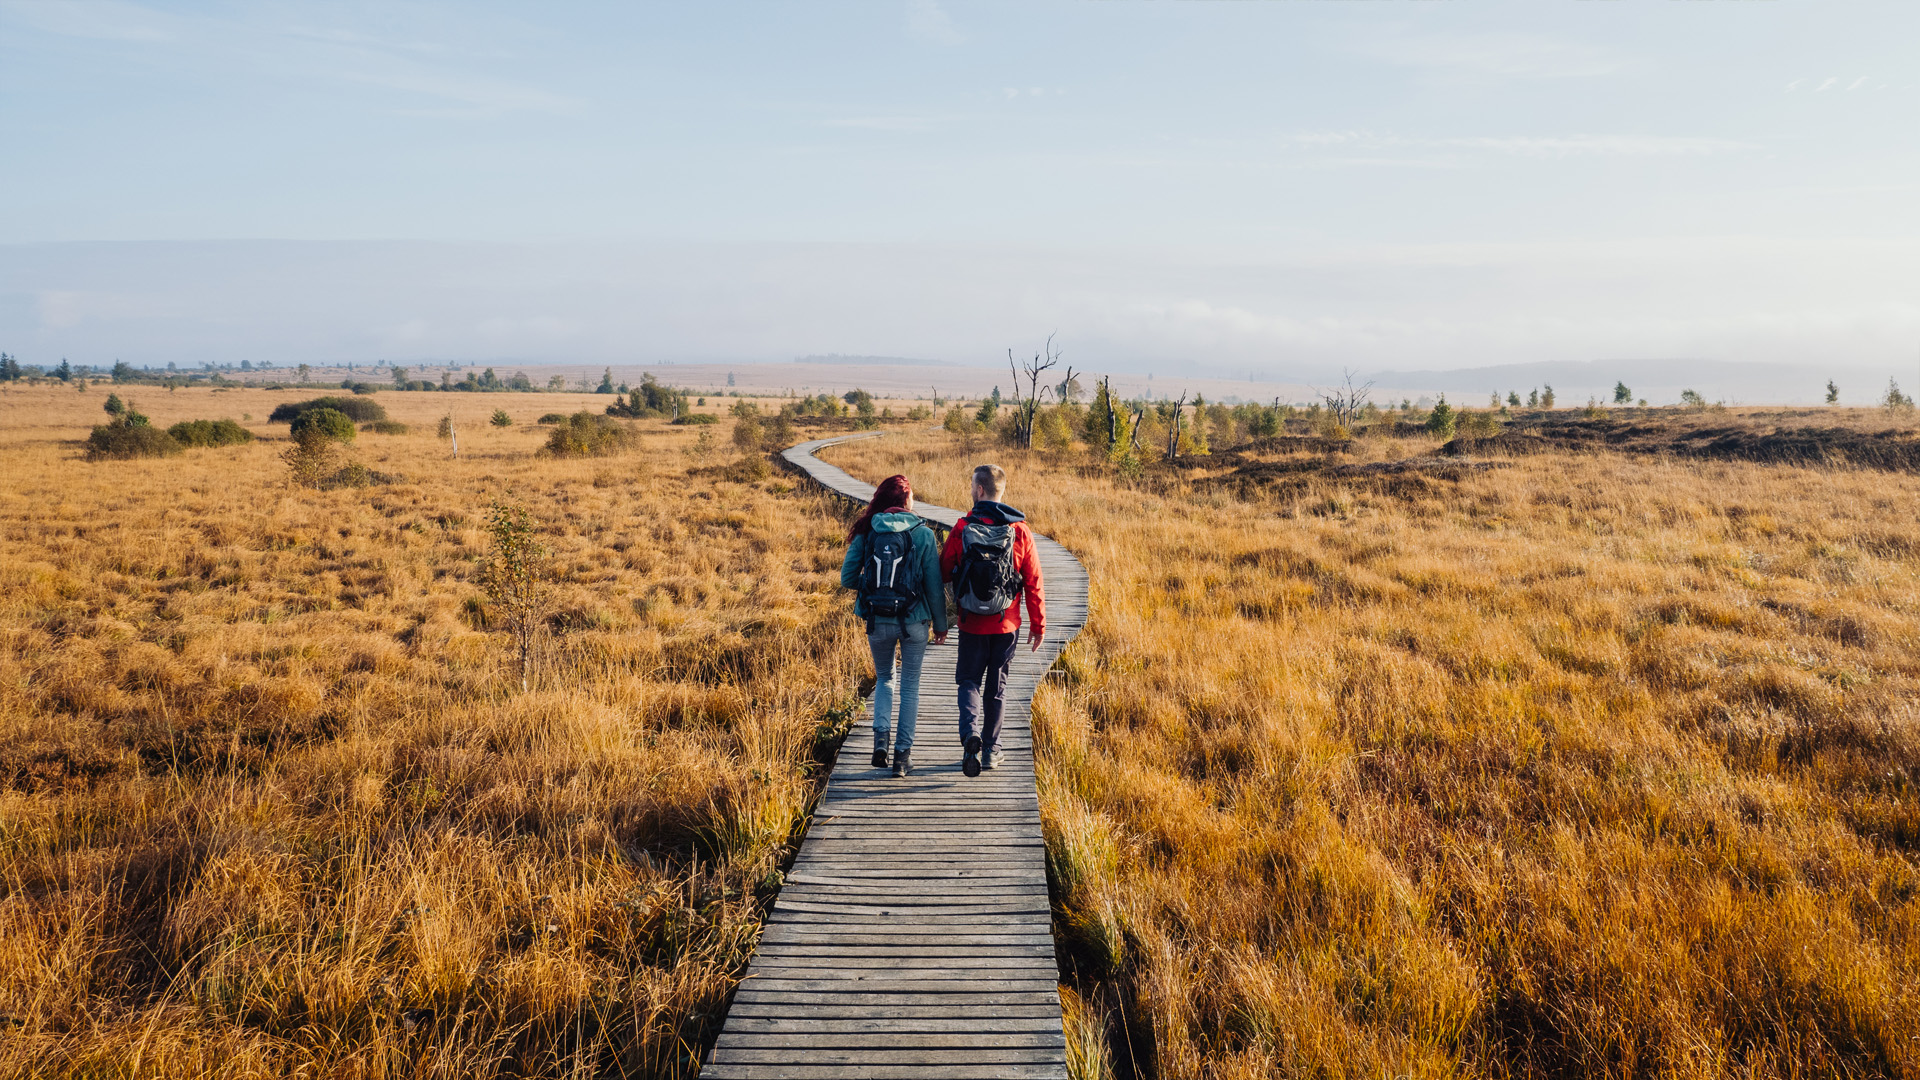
940, 638
1033, 640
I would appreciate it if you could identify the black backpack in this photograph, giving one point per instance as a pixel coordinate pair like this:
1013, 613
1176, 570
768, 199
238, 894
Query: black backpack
888, 577
986, 582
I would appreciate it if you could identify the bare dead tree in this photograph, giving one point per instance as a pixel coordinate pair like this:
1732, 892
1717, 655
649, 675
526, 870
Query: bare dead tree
1027, 406
1173, 429
1345, 401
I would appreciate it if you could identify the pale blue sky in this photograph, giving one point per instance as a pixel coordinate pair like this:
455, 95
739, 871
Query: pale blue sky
1408, 182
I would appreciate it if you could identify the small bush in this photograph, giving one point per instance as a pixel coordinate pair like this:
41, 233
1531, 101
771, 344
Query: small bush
358, 409
781, 433
552, 418
750, 469
201, 433
748, 434
129, 436
587, 434
696, 418
1477, 425
355, 475
386, 427
501, 419
958, 422
329, 424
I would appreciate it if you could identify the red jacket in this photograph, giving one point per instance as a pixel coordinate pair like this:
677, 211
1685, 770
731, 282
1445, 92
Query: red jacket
1025, 560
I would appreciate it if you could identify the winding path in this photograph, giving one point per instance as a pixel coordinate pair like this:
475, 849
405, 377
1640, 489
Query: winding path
913, 938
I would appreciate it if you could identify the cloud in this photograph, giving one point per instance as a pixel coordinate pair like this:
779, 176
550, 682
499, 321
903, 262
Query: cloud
255, 39
1558, 146
1498, 55
929, 22
105, 20
883, 123
539, 326
61, 310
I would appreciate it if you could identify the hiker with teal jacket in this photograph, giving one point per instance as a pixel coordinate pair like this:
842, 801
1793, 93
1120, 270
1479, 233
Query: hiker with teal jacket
893, 564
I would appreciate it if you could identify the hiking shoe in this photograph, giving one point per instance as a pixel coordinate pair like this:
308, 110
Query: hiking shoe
971, 763
903, 763
994, 759
879, 759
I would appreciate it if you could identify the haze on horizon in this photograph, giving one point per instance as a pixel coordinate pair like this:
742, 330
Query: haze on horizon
1274, 187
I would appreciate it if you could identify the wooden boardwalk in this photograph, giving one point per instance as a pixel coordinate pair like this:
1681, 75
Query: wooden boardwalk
913, 938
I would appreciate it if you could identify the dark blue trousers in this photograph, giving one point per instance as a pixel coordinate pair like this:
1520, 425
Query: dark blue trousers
984, 658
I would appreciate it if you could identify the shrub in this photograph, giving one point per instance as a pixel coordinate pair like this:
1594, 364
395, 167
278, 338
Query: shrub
329, 424
750, 469
781, 433
748, 434
552, 418
1440, 422
209, 433
649, 400
588, 434
129, 436
1053, 431
1477, 425
386, 427
358, 409
355, 475
501, 419
696, 418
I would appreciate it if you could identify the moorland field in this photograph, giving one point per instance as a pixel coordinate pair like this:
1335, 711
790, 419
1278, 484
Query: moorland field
1588, 750
1582, 755
274, 804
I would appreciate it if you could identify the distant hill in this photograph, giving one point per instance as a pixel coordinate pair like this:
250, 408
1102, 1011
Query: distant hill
872, 361
1658, 381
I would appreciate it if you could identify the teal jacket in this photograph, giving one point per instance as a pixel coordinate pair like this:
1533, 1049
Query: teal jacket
932, 604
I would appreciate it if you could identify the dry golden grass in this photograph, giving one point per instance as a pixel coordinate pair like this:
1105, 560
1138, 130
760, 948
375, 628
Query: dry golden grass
1592, 765
273, 803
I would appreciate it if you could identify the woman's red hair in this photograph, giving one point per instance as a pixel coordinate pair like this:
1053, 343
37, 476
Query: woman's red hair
894, 493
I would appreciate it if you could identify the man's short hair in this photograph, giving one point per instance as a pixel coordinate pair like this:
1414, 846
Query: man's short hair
990, 478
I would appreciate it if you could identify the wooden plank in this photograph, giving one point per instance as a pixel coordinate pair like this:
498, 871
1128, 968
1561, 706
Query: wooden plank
868, 1000
878, 985
985, 1055
762, 1016
890, 1071
911, 963
898, 1039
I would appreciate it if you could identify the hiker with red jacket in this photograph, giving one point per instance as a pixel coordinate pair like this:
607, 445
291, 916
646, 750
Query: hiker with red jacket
990, 559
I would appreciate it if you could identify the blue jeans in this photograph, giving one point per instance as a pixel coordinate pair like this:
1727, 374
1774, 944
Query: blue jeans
912, 640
